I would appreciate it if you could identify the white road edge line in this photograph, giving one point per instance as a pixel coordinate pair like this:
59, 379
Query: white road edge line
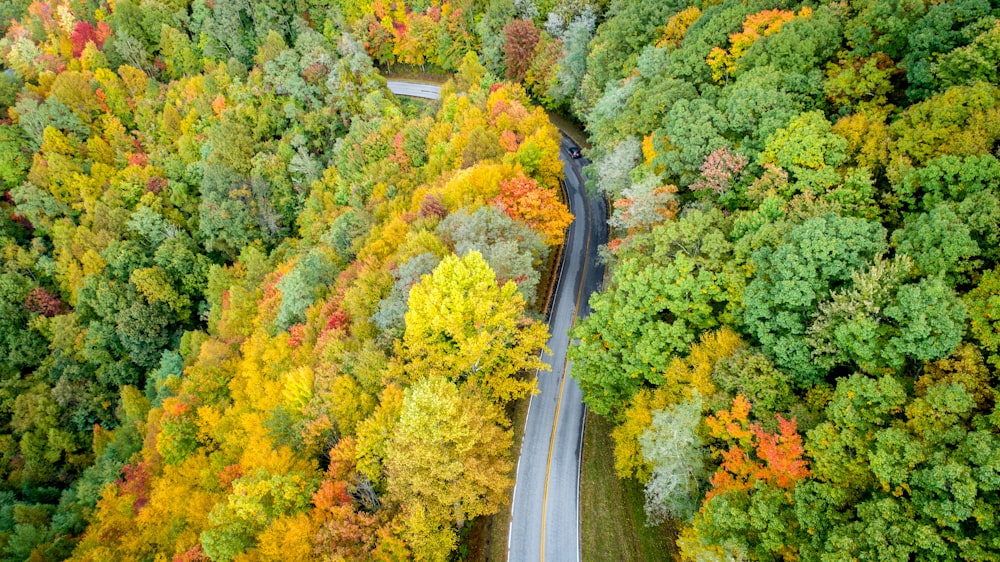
434, 93
555, 297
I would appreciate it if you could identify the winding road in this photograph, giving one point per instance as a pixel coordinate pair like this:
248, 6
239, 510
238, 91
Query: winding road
545, 522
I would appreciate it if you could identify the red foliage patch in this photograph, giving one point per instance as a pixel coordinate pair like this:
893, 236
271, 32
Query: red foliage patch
43, 302
297, 335
193, 554
135, 482
331, 494
83, 33
519, 48
399, 154
339, 320
155, 185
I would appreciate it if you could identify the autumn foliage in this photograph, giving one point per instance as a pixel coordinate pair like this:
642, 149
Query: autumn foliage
774, 459
523, 200
224, 266
762, 24
249, 300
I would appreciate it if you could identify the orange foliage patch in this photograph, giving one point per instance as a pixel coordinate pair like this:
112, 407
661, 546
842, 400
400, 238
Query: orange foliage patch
230, 474
761, 24
773, 458
524, 200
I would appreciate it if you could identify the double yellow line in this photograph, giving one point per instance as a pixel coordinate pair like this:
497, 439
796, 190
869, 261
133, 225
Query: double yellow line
562, 382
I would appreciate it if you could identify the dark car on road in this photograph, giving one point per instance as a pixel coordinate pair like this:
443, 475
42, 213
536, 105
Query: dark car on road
575, 152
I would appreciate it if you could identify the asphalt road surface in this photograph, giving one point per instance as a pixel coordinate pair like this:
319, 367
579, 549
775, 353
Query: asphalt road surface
545, 521
546, 507
414, 89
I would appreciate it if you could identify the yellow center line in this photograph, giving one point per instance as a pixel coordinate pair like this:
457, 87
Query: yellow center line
562, 382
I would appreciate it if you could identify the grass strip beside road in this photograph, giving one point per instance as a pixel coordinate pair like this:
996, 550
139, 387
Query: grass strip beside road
612, 520
572, 129
427, 73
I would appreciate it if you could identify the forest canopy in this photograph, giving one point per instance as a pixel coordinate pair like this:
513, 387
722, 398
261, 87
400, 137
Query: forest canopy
238, 273
254, 307
796, 343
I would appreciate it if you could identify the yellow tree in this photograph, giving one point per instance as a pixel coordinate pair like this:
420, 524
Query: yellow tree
448, 462
462, 326
374, 433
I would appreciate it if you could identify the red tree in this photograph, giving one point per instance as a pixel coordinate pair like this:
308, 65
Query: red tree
84, 32
774, 458
519, 48
43, 302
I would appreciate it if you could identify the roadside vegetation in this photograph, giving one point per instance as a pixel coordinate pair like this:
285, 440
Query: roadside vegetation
253, 307
613, 522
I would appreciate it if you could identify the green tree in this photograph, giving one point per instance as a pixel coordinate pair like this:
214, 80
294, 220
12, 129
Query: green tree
983, 303
573, 65
22, 347
693, 131
301, 286
257, 500
668, 287
958, 121
618, 41
763, 100
226, 213
14, 159
882, 26
967, 65
899, 477
946, 178
939, 243
489, 28
808, 150
791, 280
943, 28
749, 373
882, 321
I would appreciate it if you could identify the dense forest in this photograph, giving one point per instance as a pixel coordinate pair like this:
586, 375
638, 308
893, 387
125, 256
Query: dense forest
799, 341
253, 307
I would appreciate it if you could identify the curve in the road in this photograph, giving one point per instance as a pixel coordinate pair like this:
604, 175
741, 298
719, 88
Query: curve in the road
545, 510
